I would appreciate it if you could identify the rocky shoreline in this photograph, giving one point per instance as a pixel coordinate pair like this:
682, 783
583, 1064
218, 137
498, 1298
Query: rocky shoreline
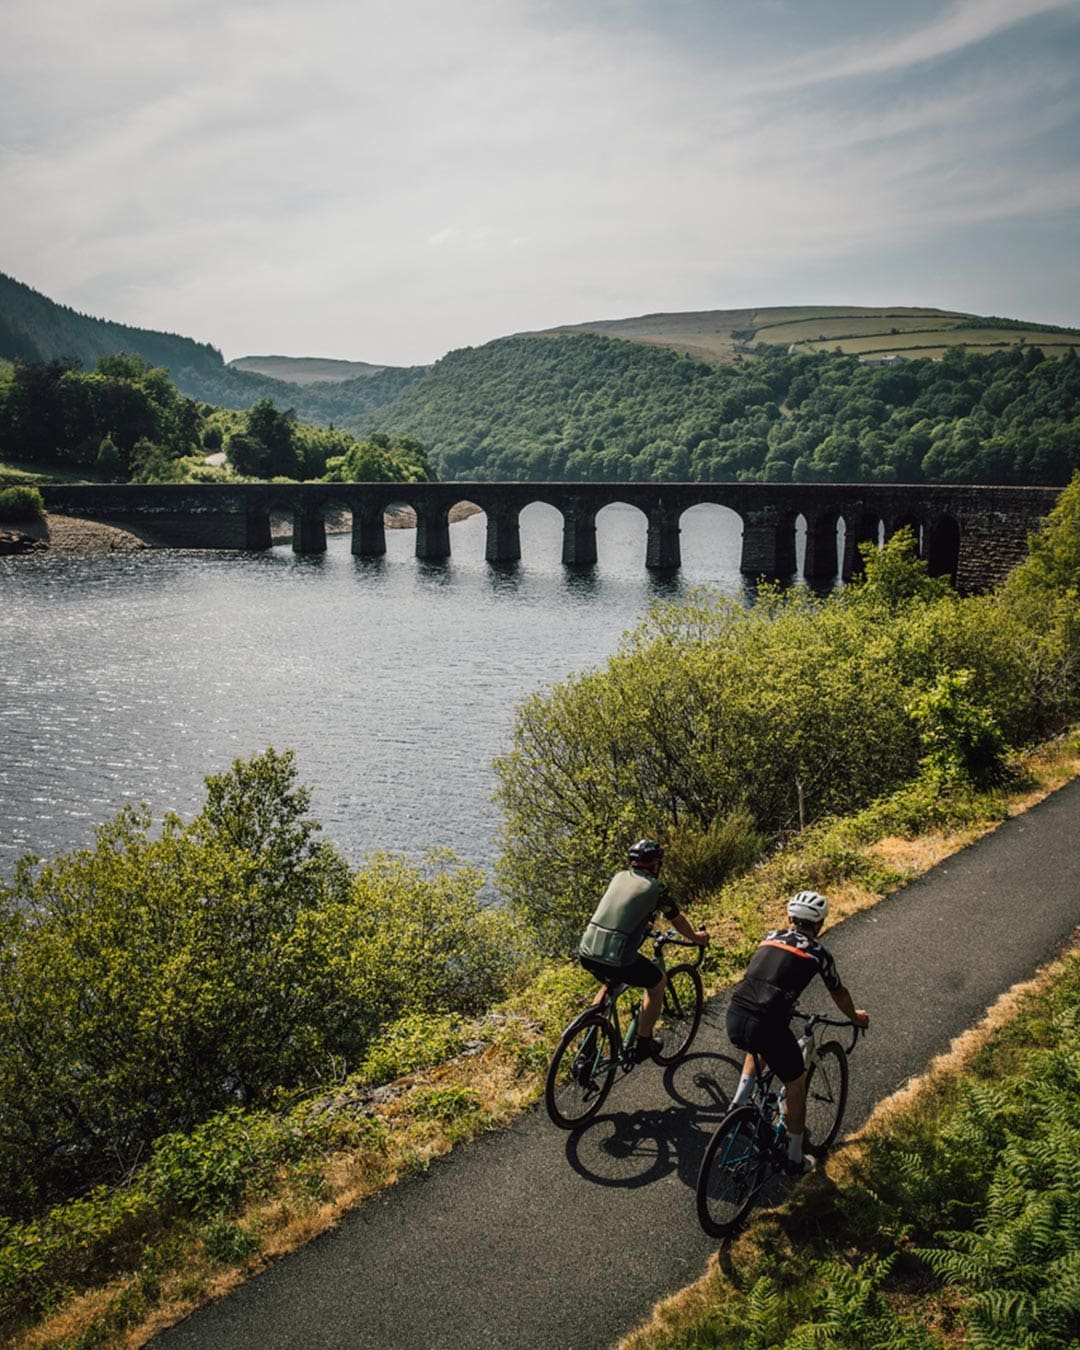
71, 535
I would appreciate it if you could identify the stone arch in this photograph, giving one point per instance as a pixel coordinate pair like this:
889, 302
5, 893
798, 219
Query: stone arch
860, 527
943, 547
912, 523
821, 557
709, 531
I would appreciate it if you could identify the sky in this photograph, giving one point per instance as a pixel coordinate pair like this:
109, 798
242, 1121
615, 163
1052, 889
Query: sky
388, 180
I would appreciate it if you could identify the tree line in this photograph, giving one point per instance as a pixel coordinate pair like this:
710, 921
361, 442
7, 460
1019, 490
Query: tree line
38, 331
584, 407
126, 421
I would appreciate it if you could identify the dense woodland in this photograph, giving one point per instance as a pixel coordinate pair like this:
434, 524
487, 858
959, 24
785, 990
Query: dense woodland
589, 407
126, 421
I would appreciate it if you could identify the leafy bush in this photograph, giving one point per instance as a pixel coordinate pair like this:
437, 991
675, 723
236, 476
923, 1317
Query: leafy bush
716, 719
413, 1042
152, 982
21, 503
960, 739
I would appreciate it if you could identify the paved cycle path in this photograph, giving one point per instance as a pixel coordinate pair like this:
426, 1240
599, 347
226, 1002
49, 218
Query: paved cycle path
535, 1239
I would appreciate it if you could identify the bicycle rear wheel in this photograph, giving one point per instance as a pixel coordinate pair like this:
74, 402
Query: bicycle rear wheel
580, 1074
826, 1097
731, 1174
678, 1023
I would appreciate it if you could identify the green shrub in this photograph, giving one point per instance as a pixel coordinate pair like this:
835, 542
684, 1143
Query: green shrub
156, 980
21, 503
415, 1041
228, 1243
960, 738
444, 1103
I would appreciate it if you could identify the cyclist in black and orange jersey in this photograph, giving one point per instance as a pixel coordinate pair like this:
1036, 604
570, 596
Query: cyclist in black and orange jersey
610, 942
761, 1006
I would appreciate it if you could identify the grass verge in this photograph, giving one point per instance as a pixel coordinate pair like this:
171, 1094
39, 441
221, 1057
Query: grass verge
213, 1208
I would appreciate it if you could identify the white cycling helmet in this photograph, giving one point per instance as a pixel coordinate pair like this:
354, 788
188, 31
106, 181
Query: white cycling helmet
809, 906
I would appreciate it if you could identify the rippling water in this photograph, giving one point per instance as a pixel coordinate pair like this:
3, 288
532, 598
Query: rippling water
129, 678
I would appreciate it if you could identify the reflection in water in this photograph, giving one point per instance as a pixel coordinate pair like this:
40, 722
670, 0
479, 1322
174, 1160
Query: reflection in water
128, 678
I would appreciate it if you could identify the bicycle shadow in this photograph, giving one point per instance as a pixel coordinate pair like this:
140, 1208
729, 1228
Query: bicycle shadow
638, 1147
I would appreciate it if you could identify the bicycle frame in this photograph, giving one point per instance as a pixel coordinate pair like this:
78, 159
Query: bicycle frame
604, 1037
750, 1144
609, 1005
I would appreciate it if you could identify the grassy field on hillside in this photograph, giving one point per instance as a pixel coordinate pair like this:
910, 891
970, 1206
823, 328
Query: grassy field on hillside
726, 334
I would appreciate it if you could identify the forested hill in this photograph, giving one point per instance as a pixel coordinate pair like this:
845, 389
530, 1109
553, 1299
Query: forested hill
825, 393
591, 407
34, 328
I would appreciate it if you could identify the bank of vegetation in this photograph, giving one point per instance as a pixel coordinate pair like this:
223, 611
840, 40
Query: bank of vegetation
126, 421
588, 407
215, 1035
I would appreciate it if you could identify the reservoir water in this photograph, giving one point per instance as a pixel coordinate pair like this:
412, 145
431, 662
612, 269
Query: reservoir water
129, 678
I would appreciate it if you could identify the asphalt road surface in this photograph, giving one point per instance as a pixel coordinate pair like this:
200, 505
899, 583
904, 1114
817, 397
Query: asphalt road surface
539, 1240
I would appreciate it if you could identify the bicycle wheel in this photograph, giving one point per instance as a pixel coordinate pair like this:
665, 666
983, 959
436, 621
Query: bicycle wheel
581, 1071
826, 1097
731, 1174
678, 1023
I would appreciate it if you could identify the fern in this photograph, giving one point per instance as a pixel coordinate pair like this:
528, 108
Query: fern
763, 1315
851, 1314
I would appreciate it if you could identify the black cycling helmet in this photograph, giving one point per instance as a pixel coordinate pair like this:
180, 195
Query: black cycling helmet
645, 852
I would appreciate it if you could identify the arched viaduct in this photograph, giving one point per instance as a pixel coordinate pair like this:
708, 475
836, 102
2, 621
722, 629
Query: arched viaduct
973, 534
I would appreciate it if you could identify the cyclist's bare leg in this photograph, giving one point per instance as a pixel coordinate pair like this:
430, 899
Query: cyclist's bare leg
795, 1104
651, 1007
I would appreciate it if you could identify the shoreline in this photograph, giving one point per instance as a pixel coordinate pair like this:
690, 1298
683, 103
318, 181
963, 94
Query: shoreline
73, 536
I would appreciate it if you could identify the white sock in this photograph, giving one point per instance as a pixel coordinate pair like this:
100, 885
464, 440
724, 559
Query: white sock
742, 1092
794, 1147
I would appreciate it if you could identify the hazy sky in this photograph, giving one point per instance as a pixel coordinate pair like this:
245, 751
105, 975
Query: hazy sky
385, 181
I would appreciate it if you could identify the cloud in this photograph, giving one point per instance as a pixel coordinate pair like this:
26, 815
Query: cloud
385, 183
960, 26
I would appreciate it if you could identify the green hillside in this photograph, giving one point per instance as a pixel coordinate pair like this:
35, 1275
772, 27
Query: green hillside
724, 334
803, 393
584, 406
34, 328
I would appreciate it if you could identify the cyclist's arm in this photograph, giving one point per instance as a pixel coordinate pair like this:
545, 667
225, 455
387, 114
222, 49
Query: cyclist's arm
681, 924
843, 1001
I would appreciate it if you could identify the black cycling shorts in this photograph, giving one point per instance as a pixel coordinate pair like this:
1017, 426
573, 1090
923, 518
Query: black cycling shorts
641, 972
769, 1037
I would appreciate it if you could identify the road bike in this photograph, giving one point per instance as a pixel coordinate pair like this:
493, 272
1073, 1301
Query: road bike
750, 1143
594, 1047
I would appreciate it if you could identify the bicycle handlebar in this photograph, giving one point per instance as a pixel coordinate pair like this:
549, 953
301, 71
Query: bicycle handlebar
672, 939
819, 1020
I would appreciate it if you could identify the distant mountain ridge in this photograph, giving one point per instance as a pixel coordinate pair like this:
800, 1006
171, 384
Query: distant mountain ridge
307, 369
34, 328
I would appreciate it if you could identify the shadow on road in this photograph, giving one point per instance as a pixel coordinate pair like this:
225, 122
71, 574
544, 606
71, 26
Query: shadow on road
642, 1145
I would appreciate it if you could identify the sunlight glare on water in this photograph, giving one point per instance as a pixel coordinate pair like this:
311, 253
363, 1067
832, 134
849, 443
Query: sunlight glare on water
129, 678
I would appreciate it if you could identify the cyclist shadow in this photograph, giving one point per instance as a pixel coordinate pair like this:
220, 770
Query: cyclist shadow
638, 1147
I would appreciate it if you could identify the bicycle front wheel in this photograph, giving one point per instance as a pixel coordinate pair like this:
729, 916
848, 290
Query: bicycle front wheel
731, 1174
678, 1023
826, 1097
581, 1071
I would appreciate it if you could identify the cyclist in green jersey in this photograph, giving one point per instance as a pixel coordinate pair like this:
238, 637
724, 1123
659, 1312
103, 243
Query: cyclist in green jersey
610, 942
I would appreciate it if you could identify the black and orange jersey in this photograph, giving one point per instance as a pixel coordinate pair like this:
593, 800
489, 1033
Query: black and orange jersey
781, 968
